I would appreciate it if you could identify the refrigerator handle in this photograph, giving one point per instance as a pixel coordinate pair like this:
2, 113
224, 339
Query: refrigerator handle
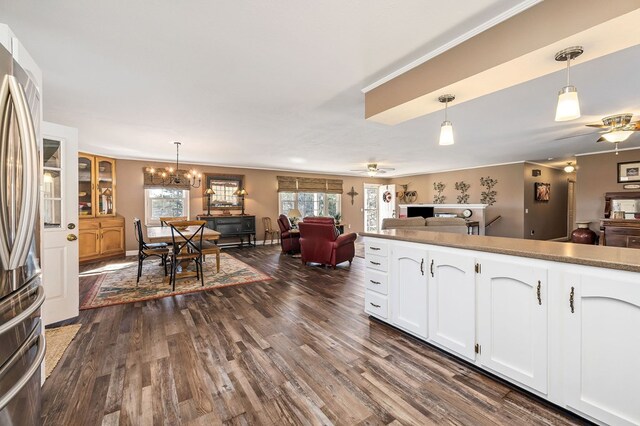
11, 93
33, 368
24, 314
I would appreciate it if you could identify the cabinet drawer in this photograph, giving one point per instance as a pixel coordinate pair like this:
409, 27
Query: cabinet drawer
376, 281
376, 304
376, 262
111, 223
633, 242
377, 248
88, 224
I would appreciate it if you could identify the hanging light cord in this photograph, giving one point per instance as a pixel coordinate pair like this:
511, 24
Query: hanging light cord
568, 69
446, 106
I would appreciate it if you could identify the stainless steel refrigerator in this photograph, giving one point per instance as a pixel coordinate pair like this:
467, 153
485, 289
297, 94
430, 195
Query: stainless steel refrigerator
22, 344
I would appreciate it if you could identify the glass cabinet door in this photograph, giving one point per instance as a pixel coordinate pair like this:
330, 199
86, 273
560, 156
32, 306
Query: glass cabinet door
52, 198
105, 186
85, 186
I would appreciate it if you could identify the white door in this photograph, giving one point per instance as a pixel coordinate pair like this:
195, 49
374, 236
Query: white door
59, 213
387, 202
452, 302
602, 352
512, 316
371, 203
409, 289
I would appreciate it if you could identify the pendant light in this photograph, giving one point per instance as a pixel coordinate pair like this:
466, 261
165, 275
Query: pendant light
568, 105
569, 168
446, 128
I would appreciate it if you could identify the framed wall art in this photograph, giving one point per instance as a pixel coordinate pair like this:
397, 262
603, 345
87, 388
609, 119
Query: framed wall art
629, 172
542, 191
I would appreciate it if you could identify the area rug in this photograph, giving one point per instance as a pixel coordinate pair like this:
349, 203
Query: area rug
58, 340
116, 283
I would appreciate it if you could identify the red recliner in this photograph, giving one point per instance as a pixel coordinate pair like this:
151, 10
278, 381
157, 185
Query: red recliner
289, 241
320, 242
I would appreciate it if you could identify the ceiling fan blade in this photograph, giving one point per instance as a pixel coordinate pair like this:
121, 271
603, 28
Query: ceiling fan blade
602, 126
575, 136
602, 139
358, 170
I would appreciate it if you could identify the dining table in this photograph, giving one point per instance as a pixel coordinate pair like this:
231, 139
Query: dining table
162, 234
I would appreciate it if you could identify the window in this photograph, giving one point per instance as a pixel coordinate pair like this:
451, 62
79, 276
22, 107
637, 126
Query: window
161, 202
310, 203
371, 207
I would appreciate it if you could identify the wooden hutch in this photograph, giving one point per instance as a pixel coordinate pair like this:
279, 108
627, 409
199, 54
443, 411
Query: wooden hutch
621, 224
101, 230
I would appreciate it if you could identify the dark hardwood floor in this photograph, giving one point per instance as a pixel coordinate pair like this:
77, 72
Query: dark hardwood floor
295, 350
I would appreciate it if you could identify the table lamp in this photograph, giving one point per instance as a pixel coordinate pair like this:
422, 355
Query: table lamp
242, 193
294, 215
209, 193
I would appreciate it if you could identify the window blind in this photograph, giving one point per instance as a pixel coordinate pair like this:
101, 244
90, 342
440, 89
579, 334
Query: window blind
303, 184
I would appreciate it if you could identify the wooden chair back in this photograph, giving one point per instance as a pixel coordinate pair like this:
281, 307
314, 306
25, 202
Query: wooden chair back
137, 225
164, 220
181, 240
266, 223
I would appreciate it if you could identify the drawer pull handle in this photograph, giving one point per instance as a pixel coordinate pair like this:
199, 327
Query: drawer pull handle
374, 305
374, 263
375, 248
539, 295
432, 268
375, 282
422, 267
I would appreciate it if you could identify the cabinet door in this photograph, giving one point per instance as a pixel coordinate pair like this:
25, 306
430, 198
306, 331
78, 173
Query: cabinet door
452, 302
602, 362
512, 315
105, 179
112, 240
86, 207
409, 289
88, 243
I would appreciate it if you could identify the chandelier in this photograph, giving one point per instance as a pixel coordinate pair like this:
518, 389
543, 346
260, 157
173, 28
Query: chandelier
169, 176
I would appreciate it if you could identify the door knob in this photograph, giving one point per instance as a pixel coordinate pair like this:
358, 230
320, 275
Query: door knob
71, 237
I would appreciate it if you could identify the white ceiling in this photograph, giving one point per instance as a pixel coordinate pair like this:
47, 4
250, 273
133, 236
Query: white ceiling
278, 84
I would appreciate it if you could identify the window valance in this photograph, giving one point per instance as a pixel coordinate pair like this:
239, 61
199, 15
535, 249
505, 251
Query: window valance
303, 184
155, 180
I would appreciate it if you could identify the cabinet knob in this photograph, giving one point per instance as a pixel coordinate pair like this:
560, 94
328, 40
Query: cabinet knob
71, 237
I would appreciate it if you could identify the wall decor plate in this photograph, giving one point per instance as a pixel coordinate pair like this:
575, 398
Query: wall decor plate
631, 186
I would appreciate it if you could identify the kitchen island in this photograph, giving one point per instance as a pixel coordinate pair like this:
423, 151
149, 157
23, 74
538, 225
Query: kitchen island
559, 320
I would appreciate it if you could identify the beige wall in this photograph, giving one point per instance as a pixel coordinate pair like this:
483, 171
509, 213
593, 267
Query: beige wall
260, 184
510, 198
597, 174
547, 220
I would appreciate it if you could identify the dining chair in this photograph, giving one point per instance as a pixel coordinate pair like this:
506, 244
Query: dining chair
164, 220
210, 248
186, 247
269, 231
146, 250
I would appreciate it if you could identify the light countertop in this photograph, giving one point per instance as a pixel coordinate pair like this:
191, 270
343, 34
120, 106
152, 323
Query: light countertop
624, 259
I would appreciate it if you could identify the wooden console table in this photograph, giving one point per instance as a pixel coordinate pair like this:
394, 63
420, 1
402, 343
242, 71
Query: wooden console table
240, 226
618, 232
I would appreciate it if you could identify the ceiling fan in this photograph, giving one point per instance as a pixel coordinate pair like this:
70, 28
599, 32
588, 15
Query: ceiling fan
615, 129
618, 128
373, 169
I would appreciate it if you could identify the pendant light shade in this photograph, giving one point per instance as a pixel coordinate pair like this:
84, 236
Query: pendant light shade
446, 133
568, 105
446, 129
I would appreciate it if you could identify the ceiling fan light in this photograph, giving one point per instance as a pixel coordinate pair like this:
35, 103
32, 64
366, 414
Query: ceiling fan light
372, 173
568, 105
446, 133
617, 136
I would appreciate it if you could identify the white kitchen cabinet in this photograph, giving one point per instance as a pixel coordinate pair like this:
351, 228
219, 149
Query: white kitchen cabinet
512, 316
452, 302
602, 345
409, 288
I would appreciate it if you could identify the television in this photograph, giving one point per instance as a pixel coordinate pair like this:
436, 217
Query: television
415, 211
